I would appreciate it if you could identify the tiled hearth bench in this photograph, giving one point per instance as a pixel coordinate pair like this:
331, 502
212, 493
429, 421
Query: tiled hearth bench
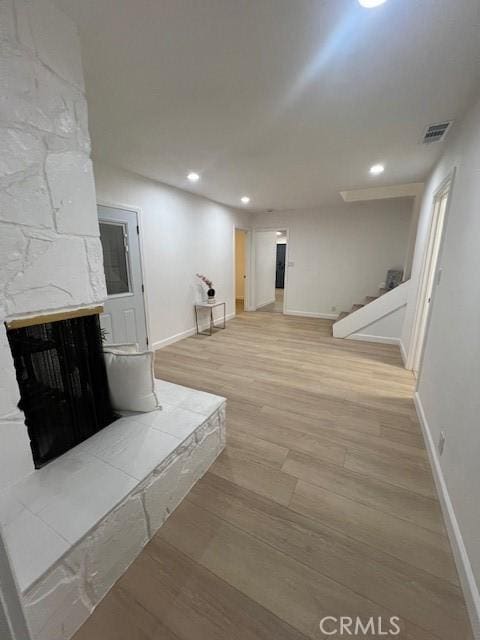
74, 526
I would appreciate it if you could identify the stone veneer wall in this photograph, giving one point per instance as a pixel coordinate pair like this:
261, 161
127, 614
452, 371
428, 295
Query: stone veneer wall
58, 604
50, 252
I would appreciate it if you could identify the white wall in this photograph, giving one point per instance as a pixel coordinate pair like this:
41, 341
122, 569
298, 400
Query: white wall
340, 254
449, 383
182, 234
50, 252
265, 267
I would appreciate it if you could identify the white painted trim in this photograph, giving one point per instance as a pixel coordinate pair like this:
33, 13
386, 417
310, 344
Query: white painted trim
311, 314
464, 568
365, 337
160, 344
403, 353
175, 338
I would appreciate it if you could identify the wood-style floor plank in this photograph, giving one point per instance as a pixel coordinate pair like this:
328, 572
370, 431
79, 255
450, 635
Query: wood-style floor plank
272, 483
321, 504
367, 490
407, 542
255, 449
412, 474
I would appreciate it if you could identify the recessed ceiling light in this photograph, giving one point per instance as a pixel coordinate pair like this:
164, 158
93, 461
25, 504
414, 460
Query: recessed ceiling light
377, 169
245, 199
193, 177
371, 4
279, 233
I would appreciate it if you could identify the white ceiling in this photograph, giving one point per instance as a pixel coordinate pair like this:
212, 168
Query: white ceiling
287, 101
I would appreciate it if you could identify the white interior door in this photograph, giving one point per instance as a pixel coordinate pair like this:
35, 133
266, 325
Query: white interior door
124, 316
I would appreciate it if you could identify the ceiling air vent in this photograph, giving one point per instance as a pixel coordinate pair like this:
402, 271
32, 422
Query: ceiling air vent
436, 132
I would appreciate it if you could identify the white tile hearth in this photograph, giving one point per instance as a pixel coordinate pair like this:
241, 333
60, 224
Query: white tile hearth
131, 446
170, 393
78, 507
171, 419
74, 526
65, 493
185, 398
33, 547
9, 508
138, 455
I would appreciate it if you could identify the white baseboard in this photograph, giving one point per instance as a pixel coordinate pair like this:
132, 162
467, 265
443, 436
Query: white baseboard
175, 338
365, 337
311, 314
464, 568
403, 353
160, 344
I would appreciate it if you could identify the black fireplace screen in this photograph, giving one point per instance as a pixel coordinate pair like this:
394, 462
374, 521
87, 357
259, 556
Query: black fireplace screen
63, 383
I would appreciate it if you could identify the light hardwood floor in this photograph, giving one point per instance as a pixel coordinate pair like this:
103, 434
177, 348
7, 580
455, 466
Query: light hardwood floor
321, 505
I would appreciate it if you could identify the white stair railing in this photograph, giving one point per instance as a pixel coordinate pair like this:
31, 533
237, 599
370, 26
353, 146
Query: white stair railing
372, 312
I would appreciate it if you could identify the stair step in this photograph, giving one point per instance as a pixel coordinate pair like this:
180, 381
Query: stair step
370, 299
342, 315
382, 291
356, 307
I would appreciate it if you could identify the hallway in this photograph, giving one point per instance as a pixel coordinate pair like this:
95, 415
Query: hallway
277, 306
322, 504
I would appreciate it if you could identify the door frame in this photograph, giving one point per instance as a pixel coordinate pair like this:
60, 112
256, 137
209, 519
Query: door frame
248, 256
285, 288
429, 269
139, 215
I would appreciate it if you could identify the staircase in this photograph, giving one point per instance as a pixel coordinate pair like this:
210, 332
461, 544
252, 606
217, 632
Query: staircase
378, 318
356, 307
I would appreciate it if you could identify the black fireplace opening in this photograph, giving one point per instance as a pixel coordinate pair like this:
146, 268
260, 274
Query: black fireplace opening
63, 383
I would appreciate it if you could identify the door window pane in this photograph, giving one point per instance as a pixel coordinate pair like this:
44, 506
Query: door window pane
115, 258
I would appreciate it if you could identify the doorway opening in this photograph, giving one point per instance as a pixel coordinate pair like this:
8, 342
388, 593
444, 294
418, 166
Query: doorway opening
240, 270
281, 255
270, 270
124, 318
430, 275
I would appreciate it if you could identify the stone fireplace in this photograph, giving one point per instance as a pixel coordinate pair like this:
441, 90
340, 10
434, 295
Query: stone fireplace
50, 252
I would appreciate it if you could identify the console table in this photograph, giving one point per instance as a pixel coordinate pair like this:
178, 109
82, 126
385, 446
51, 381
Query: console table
210, 307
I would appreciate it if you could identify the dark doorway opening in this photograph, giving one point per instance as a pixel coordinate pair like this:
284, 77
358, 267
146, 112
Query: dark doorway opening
280, 268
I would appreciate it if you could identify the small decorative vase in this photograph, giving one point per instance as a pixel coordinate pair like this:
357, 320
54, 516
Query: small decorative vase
211, 296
